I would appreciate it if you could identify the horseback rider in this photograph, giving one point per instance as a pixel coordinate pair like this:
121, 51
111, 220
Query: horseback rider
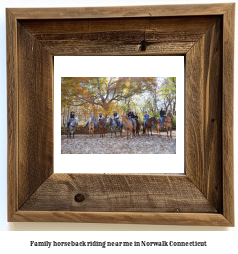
131, 116
136, 117
93, 117
162, 115
146, 116
116, 117
101, 117
71, 118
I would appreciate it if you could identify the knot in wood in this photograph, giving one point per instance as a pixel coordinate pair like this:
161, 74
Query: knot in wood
143, 45
79, 198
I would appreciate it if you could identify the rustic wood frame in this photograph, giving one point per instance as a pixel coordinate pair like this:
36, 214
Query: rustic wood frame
203, 33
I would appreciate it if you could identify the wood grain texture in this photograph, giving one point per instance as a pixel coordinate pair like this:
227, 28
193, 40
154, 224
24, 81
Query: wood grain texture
12, 109
114, 193
35, 114
119, 36
121, 11
71, 48
192, 219
227, 113
203, 115
179, 25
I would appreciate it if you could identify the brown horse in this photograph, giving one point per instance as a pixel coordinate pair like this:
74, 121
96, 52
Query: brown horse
167, 123
91, 126
148, 125
138, 126
101, 127
128, 125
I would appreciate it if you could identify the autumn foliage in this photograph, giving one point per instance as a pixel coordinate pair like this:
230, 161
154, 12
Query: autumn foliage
106, 94
102, 94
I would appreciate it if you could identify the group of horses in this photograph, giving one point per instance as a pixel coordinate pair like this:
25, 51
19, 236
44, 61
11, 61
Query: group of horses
126, 123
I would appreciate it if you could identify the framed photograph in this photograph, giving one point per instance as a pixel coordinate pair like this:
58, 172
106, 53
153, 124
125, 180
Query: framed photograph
202, 35
112, 98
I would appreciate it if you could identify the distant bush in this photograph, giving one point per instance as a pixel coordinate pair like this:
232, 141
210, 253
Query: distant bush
155, 114
174, 123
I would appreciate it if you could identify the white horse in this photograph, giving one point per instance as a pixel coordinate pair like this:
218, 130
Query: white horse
72, 127
113, 126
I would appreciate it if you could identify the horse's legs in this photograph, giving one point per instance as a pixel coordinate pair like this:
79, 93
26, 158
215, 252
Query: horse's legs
167, 129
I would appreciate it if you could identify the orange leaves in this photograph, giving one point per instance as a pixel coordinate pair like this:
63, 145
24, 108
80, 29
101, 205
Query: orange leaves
103, 93
128, 83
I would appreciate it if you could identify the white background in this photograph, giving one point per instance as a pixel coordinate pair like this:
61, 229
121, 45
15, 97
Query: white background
119, 66
220, 242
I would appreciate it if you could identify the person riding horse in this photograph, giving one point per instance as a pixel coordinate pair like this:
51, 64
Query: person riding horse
93, 118
116, 117
101, 117
146, 116
131, 116
136, 117
137, 123
71, 118
162, 115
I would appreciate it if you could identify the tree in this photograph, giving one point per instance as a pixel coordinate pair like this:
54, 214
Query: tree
168, 92
103, 93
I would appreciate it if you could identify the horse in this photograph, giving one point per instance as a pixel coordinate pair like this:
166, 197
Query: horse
113, 126
91, 126
128, 125
72, 127
167, 123
138, 126
148, 125
101, 127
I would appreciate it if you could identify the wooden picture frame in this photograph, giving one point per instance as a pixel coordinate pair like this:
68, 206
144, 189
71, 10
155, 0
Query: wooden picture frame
204, 34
